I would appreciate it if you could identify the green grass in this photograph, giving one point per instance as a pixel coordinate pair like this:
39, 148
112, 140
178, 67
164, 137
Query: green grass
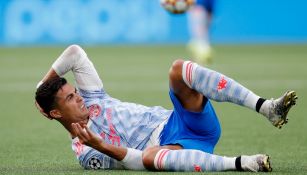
31, 144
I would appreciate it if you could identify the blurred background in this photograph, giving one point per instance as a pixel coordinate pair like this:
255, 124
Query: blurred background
260, 43
51, 22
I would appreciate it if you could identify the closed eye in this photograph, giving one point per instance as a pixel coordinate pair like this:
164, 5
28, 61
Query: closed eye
69, 97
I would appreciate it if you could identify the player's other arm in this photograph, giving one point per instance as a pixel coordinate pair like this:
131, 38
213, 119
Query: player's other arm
88, 138
129, 158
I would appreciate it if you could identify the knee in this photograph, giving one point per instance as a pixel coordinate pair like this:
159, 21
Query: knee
175, 72
148, 157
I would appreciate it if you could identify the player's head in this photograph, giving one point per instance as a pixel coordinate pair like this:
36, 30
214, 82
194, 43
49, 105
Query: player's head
60, 101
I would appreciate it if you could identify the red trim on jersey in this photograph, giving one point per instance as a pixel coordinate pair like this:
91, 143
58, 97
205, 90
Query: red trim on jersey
78, 148
95, 110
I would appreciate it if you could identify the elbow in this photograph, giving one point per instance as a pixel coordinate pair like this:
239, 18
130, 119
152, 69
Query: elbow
72, 57
75, 50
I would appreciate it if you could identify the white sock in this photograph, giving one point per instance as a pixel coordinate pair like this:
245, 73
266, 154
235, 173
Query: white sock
265, 108
192, 160
217, 86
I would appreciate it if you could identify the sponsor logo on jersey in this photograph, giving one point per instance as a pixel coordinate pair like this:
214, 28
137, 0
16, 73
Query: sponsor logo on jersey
95, 110
113, 137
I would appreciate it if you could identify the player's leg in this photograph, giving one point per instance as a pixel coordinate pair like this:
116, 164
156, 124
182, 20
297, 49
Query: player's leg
190, 99
187, 75
172, 158
199, 18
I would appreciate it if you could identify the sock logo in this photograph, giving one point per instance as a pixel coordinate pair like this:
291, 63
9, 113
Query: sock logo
197, 168
222, 84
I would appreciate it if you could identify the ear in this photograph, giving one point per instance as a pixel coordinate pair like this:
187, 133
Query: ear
56, 114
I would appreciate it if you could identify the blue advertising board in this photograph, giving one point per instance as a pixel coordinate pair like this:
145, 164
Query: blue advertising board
93, 21
26, 22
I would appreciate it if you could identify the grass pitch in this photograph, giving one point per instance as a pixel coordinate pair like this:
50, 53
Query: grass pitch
31, 144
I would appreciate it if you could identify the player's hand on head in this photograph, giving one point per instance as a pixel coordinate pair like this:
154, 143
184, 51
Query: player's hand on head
86, 136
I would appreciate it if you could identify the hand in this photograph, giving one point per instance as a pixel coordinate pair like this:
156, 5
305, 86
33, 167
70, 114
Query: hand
86, 136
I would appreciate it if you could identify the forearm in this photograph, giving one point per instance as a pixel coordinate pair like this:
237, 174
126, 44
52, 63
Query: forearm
115, 152
61, 66
64, 63
50, 74
130, 158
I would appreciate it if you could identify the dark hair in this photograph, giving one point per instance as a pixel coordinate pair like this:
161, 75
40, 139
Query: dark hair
45, 93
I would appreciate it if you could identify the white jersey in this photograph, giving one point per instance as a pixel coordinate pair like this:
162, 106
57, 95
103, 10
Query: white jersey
117, 123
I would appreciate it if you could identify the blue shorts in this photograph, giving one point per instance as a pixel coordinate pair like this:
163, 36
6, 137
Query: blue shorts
207, 4
191, 130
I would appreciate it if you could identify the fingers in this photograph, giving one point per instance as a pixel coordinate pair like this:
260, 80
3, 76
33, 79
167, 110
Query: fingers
75, 129
89, 132
80, 132
86, 136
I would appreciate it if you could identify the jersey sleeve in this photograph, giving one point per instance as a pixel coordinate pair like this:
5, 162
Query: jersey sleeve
96, 160
90, 158
75, 59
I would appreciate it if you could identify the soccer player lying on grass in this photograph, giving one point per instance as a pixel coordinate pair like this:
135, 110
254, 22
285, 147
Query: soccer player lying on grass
110, 134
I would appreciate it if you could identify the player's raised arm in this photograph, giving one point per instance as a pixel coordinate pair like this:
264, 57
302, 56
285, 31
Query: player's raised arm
75, 59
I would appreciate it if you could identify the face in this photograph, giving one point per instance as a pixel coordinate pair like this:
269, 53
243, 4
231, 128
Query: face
70, 105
